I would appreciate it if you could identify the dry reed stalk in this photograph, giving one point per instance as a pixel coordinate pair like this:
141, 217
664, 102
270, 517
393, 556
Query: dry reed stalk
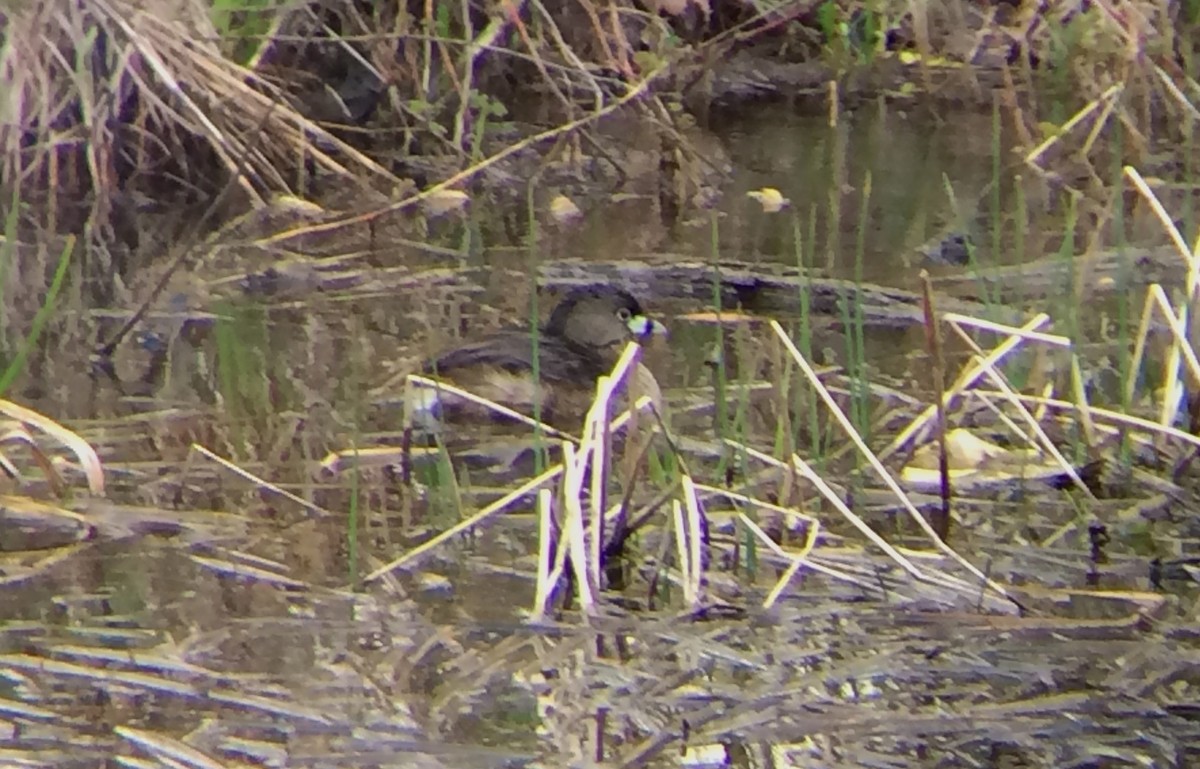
933, 341
548, 572
168, 750
987, 366
1115, 417
969, 377
1099, 104
690, 544
257, 481
1026, 332
1157, 297
573, 541
89, 461
500, 505
110, 85
902, 556
883, 473
418, 381
1141, 339
812, 531
636, 92
1174, 389
1179, 97
1043, 441
584, 459
796, 560
805, 470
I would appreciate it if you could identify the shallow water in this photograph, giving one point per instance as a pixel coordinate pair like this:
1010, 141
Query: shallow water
239, 635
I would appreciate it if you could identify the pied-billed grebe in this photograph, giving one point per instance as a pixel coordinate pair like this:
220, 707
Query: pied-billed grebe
581, 341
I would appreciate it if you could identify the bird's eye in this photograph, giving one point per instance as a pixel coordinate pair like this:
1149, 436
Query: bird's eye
624, 313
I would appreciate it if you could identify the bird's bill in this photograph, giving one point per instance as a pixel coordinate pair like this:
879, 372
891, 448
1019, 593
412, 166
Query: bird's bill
641, 326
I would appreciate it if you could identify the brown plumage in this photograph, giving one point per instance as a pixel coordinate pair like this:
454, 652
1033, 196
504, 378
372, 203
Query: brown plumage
581, 341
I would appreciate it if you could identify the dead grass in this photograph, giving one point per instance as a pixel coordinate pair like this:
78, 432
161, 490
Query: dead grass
884, 639
115, 107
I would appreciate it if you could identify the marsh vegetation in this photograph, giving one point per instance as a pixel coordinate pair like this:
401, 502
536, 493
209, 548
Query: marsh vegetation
920, 488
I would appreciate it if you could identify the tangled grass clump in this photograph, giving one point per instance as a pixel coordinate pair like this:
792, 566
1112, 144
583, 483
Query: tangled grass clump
112, 104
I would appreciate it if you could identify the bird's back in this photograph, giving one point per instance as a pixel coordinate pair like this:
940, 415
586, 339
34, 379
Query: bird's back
512, 351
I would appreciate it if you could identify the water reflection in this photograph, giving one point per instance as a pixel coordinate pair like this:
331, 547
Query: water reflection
236, 635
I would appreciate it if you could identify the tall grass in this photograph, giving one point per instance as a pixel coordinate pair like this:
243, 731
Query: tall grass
996, 197
16, 366
1125, 310
8, 255
720, 372
1020, 221
353, 386
805, 402
744, 348
245, 361
541, 458
242, 25
854, 324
